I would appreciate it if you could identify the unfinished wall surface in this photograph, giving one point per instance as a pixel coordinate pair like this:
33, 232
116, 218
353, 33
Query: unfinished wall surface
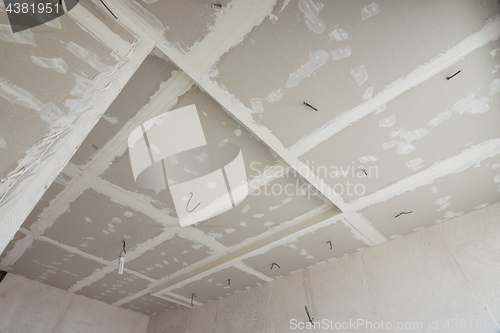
29, 306
440, 279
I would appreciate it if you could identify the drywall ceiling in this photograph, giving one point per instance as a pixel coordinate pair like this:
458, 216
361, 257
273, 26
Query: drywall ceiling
393, 147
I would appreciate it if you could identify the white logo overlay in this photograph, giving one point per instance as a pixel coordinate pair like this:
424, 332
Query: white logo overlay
205, 180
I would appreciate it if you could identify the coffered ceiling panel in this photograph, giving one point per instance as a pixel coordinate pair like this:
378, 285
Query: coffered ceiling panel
97, 224
447, 197
49, 264
114, 287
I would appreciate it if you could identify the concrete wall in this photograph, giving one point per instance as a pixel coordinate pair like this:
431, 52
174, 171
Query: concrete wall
446, 277
31, 307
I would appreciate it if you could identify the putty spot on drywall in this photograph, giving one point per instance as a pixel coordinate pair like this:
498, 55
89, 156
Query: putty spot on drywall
215, 235
246, 208
222, 143
21, 37
481, 206
303, 252
443, 203
450, 214
211, 184
200, 158
404, 147
237, 132
316, 60
258, 216
274, 96
387, 122
257, 105
495, 166
380, 109
341, 52
57, 64
471, 105
285, 3
111, 120
229, 230
243, 223
367, 158
19, 96
439, 118
360, 75
88, 56
415, 164
311, 14
367, 94
268, 223
494, 52
50, 113
338, 34
3, 143
495, 87
370, 10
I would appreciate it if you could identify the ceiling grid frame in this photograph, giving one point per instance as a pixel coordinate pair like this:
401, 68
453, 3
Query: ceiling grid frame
196, 68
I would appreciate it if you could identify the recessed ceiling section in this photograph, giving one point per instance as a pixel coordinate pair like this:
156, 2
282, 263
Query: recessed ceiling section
272, 205
97, 224
336, 59
50, 264
447, 197
149, 305
136, 93
325, 244
96, 8
217, 285
60, 75
186, 22
171, 256
114, 287
217, 127
50, 194
416, 129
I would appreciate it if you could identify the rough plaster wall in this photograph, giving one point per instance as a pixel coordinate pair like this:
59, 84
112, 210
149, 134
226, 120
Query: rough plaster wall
28, 306
445, 272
